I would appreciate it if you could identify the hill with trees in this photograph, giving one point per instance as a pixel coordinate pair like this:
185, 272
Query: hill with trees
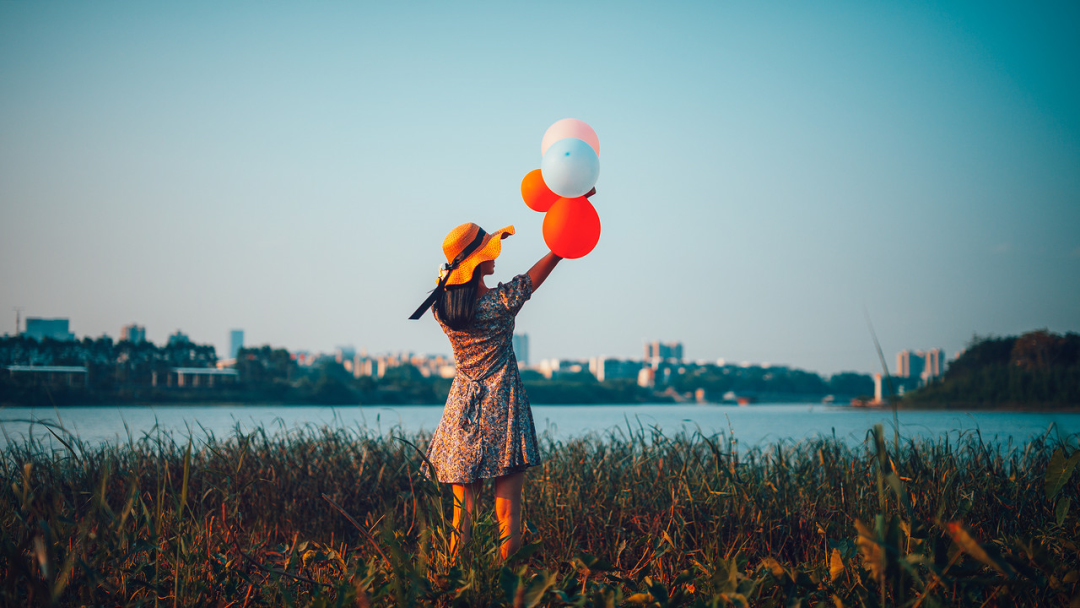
1039, 369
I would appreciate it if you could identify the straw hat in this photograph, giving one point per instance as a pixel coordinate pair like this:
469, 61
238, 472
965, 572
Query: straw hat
466, 247
487, 247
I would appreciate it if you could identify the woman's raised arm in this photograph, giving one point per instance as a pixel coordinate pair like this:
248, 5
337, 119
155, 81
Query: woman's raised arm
542, 269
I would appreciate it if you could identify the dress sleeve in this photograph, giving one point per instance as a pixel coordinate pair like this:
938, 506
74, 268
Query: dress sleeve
514, 293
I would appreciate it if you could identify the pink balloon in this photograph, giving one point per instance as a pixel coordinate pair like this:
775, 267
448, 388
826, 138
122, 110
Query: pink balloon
570, 127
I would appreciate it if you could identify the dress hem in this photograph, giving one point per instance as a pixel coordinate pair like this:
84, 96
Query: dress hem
509, 471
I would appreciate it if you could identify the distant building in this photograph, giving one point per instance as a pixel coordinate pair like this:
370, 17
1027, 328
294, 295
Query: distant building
934, 365
657, 352
924, 365
236, 342
344, 353
521, 348
39, 329
136, 334
646, 377
178, 337
49, 374
879, 392
608, 368
374, 367
365, 366
552, 368
196, 377
430, 366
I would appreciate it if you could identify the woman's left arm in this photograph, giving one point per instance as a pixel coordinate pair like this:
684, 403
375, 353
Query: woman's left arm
542, 269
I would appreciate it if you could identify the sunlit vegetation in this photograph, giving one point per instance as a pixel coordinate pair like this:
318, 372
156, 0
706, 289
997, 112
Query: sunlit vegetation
332, 516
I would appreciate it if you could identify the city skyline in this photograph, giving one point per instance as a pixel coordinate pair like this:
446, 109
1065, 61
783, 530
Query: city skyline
771, 175
929, 364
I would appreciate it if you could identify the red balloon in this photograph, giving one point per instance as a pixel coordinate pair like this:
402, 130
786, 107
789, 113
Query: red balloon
571, 227
535, 192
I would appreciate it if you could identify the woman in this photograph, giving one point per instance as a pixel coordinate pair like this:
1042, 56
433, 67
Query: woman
486, 431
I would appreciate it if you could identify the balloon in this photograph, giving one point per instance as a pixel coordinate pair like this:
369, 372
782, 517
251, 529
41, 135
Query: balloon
569, 127
570, 167
535, 192
571, 227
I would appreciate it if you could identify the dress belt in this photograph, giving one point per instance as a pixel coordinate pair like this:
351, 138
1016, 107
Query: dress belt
472, 433
474, 392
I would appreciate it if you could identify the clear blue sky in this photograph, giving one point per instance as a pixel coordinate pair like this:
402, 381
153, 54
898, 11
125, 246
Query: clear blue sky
767, 170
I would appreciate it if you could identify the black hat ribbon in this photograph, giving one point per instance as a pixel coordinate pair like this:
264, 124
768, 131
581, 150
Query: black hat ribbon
447, 269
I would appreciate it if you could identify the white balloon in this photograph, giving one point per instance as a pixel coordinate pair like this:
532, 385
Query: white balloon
570, 167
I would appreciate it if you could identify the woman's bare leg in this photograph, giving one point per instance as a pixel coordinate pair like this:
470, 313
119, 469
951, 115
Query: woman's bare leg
508, 511
465, 495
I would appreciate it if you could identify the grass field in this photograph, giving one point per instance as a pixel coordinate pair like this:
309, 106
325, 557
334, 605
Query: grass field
339, 517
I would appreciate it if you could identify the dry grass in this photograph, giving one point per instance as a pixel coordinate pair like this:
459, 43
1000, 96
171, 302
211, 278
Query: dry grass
632, 517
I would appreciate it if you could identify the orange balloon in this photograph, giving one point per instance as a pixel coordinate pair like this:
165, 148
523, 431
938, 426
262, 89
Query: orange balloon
571, 227
535, 192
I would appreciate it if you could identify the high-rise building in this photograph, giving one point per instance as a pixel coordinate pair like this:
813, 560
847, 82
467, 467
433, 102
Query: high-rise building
908, 364
236, 342
925, 365
39, 329
933, 365
521, 348
133, 333
663, 351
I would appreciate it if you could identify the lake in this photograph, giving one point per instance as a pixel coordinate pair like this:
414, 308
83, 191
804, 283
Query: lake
752, 425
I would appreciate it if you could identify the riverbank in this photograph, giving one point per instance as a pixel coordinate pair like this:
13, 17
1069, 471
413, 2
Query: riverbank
902, 407
683, 519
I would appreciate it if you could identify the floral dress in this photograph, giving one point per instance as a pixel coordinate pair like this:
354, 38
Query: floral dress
487, 428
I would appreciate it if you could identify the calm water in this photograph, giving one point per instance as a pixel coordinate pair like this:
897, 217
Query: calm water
751, 425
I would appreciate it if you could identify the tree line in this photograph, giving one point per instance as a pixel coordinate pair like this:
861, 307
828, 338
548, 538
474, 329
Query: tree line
123, 372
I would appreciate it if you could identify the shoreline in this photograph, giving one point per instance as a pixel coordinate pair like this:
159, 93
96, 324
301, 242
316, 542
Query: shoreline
1065, 409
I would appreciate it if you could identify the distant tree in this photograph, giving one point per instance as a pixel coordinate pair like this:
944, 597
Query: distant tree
330, 390
401, 376
186, 354
582, 377
265, 365
531, 375
1042, 349
851, 383
981, 352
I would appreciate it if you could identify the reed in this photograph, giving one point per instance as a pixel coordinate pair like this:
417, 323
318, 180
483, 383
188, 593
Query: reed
341, 516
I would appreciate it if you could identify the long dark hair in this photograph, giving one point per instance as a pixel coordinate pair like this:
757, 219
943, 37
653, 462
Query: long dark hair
456, 306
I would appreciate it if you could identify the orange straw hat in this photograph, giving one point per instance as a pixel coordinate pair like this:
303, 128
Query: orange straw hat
459, 240
466, 247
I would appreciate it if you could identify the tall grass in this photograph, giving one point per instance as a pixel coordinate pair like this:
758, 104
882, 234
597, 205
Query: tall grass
333, 516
